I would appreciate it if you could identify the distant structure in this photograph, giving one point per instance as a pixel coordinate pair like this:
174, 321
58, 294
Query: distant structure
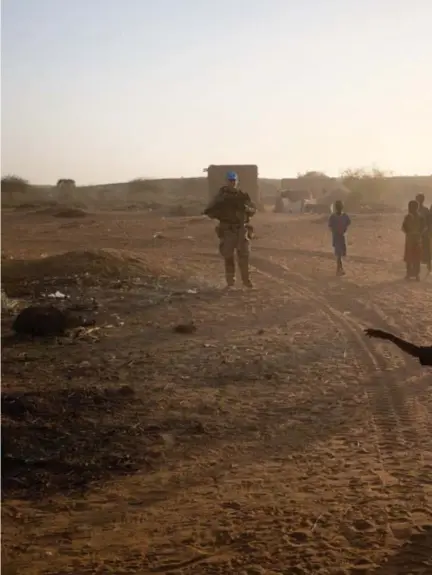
248, 179
315, 184
65, 187
65, 182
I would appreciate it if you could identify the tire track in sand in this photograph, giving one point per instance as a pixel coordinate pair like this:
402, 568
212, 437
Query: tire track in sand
398, 428
400, 436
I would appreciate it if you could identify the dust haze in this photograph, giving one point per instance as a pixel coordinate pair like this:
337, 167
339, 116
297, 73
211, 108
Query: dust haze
271, 438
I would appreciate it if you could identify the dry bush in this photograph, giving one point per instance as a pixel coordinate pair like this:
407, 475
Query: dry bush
312, 174
14, 190
366, 186
14, 185
17, 193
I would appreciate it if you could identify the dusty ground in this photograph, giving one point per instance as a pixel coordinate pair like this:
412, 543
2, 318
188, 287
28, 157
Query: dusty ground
274, 440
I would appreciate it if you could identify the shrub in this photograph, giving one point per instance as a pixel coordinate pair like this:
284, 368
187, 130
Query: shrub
367, 186
14, 184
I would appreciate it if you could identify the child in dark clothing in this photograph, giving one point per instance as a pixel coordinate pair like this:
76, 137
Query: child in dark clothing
338, 223
426, 238
413, 227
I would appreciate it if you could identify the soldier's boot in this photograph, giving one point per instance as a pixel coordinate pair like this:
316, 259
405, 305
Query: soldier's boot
230, 271
244, 270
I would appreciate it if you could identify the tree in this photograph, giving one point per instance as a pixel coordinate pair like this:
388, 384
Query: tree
66, 182
14, 184
367, 186
312, 174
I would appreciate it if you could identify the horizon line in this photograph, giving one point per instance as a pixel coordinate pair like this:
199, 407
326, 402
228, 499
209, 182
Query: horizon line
390, 175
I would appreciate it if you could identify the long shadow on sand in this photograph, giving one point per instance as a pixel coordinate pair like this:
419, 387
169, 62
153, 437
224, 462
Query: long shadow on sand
415, 556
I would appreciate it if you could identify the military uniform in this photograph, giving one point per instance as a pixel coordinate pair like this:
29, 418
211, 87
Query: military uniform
233, 208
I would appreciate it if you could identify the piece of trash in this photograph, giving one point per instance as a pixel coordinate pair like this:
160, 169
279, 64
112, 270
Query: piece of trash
192, 290
158, 235
57, 295
8, 304
83, 333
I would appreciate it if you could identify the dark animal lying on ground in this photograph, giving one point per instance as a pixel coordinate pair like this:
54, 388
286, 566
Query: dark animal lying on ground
422, 353
47, 321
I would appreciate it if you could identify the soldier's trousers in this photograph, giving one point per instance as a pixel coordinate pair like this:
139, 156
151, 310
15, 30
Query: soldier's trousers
232, 240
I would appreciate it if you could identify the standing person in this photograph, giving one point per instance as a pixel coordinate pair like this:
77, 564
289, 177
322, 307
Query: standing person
233, 208
339, 223
413, 227
426, 257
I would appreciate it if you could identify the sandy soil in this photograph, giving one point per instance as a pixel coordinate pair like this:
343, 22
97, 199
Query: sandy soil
276, 439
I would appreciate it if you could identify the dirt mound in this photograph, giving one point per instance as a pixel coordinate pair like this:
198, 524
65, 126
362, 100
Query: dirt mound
82, 268
30, 206
70, 213
61, 211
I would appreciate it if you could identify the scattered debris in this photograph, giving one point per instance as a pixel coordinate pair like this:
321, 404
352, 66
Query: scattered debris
91, 334
8, 305
57, 295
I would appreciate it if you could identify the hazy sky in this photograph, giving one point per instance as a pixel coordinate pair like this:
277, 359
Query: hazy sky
109, 90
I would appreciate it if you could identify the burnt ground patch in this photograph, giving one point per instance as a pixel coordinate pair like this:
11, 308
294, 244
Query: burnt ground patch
63, 440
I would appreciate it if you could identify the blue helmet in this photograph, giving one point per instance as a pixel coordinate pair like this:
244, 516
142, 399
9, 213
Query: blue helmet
231, 176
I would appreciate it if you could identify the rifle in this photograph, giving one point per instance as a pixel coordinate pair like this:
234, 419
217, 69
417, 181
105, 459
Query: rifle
227, 204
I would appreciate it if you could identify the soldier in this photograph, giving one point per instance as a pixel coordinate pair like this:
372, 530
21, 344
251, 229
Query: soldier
233, 208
